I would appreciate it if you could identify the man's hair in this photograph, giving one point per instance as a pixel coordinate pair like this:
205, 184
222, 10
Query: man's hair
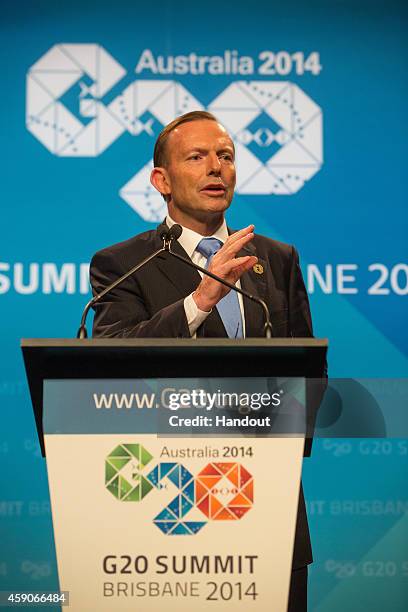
160, 154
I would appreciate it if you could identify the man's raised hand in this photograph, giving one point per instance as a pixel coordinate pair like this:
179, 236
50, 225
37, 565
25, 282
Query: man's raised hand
226, 265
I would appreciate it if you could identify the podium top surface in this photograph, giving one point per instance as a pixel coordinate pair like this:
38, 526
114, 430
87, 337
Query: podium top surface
138, 357
170, 357
190, 342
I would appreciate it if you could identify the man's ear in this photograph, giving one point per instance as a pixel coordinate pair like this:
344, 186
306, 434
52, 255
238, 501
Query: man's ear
160, 180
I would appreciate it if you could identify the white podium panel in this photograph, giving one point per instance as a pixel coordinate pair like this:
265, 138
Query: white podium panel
167, 523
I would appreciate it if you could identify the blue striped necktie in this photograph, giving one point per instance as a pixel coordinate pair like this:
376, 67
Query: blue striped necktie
228, 307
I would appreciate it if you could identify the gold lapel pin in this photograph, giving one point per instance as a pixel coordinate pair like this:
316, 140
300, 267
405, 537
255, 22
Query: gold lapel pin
258, 268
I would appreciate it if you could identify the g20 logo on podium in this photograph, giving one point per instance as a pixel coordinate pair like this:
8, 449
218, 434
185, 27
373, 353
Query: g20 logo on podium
220, 491
275, 125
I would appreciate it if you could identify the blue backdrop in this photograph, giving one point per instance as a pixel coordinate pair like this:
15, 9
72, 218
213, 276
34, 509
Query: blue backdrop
315, 97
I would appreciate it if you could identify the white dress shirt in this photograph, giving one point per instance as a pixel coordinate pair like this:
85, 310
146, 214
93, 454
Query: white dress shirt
189, 240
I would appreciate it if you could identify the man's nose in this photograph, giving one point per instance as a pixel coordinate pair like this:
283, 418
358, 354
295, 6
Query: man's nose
213, 164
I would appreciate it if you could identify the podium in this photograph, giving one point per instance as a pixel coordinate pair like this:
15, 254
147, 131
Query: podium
174, 467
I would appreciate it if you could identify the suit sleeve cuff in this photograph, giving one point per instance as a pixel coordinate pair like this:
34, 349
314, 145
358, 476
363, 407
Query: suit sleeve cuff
195, 316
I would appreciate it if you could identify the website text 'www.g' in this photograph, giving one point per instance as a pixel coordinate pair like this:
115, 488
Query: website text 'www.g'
174, 400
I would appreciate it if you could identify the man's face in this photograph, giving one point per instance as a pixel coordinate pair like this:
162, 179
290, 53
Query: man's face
200, 169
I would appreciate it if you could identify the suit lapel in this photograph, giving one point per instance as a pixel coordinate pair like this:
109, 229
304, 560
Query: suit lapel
182, 276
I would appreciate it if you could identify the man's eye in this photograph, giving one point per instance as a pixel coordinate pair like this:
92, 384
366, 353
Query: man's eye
196, 156
227, 156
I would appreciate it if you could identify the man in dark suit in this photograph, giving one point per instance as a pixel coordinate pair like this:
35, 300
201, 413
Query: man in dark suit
194, 170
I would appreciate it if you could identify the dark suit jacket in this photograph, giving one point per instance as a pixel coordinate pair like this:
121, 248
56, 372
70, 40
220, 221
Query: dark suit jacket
151, 304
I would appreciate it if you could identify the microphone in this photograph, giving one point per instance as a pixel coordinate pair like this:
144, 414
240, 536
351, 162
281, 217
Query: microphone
163, 231
167, 236
174, 234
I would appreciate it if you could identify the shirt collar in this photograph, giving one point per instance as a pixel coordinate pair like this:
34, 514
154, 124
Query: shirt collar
190, 239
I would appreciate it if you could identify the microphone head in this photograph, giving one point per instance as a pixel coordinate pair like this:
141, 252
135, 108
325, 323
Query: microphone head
163, 231
175, 231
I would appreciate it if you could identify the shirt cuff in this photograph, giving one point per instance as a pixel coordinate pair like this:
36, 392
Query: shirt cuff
194, 315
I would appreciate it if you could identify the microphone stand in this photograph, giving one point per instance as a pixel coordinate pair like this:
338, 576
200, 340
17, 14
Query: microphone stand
82, 332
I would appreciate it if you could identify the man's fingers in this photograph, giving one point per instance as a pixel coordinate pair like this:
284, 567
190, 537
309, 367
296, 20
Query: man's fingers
239, 265
245, 267
242, 232
230, 249
251, 260
237, 236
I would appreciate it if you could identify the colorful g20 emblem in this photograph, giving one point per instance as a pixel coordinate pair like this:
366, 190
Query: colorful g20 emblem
222, 491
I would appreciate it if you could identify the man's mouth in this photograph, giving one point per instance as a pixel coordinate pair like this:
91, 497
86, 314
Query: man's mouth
214, 189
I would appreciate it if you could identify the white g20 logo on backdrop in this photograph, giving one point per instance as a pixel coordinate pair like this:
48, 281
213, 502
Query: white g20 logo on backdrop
276, 127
